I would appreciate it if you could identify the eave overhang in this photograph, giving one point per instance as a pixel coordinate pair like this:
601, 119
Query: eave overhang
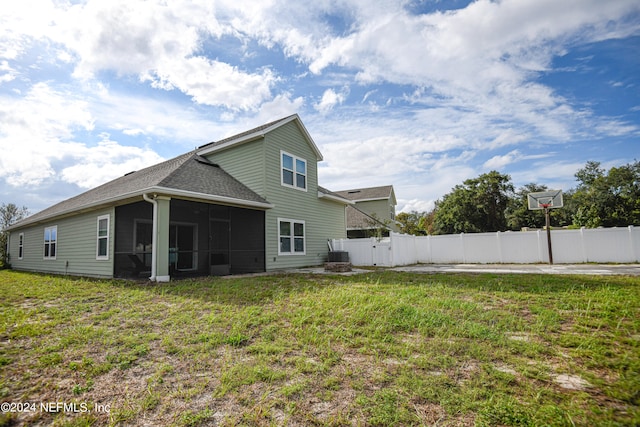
154, 190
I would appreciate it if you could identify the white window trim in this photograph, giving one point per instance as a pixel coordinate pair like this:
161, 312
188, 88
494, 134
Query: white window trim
304, 237
98, 237
20, 245
53, 258
306, 169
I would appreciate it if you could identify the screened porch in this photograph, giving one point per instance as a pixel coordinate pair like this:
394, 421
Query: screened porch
204, 239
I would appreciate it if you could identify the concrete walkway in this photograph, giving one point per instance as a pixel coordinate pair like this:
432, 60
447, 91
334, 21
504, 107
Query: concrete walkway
590, 269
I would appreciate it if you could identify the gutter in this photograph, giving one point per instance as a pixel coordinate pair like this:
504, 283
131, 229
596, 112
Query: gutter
154, 236
155, 189
335, 198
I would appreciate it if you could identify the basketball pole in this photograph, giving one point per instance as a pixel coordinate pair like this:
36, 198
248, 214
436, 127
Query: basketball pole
548, 222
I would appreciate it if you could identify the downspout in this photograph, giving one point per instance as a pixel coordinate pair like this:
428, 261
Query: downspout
154, 236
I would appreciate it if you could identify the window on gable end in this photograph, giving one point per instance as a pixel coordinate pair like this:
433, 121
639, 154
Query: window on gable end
294, 171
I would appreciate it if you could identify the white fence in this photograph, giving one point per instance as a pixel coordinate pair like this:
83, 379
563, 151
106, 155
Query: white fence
568, 246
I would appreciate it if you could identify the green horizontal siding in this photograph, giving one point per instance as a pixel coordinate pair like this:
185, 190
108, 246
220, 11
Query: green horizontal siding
323, 219
245, 162
381, 209
75, 247
257, 165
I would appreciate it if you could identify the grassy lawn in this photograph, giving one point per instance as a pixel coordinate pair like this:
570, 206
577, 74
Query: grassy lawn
380, 348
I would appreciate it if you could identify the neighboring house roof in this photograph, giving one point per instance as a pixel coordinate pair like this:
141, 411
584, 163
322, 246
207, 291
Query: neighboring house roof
368, 194
324, 193
188, 175
360, 220
259, 132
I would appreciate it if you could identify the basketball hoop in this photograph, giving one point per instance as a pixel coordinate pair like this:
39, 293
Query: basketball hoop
546, 200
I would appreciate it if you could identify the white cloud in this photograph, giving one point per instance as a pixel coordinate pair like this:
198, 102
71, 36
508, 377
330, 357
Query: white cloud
158, 42
330, 98
416, 205
37, 136
499, 162
93, 166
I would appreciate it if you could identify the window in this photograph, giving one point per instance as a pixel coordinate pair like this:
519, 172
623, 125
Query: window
294, 171
291, 237
20, 245
50, 241
102, 246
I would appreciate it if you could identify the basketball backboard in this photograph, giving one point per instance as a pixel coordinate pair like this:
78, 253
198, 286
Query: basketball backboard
545, 200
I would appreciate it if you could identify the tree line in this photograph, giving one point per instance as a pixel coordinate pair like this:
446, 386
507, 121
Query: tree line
491, 203
9, 214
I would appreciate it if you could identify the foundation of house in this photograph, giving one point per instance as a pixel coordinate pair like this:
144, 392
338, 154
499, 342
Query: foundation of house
338, 267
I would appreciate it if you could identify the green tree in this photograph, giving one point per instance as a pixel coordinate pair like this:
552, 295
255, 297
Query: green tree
376, 227
9, 214
415, 223
478, 205
607, 198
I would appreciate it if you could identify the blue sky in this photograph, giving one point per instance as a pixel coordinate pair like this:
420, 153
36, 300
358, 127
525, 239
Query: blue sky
418, 94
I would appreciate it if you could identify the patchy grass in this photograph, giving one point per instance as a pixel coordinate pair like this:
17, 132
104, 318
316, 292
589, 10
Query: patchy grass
380, 348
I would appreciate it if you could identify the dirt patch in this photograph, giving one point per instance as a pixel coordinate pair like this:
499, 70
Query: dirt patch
519, 337
505, 368
571, 382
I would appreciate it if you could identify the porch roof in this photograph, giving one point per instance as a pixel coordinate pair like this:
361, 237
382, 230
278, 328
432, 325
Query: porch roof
186, 176
360, 220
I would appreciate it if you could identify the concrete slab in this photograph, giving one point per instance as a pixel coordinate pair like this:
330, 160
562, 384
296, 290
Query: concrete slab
589, 269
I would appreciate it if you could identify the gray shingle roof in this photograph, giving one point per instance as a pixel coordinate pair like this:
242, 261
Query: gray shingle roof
187, 173
360, 220
258, 132
370, 193
336, 196
246, 133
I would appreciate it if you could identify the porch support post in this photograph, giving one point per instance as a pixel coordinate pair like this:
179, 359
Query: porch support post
162, 239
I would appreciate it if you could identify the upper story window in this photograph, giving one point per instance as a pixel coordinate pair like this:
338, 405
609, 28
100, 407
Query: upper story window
50, 242
294, 171
102, 245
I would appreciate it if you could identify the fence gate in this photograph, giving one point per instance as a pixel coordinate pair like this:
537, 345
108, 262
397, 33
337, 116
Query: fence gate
381, 254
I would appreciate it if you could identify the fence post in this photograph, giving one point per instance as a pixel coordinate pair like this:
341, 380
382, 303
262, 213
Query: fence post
392, 243
584, 246
499, 247
632, 246
464, 257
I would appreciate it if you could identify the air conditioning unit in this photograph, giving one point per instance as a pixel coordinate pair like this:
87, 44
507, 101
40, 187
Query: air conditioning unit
338, 256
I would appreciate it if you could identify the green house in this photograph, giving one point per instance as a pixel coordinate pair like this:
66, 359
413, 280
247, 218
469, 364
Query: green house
373, 209
248, 203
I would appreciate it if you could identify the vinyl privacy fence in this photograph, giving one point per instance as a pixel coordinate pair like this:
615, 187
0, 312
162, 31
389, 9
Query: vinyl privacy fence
602, 245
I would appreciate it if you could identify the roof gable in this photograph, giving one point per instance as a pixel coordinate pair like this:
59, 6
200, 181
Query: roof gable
260, 132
